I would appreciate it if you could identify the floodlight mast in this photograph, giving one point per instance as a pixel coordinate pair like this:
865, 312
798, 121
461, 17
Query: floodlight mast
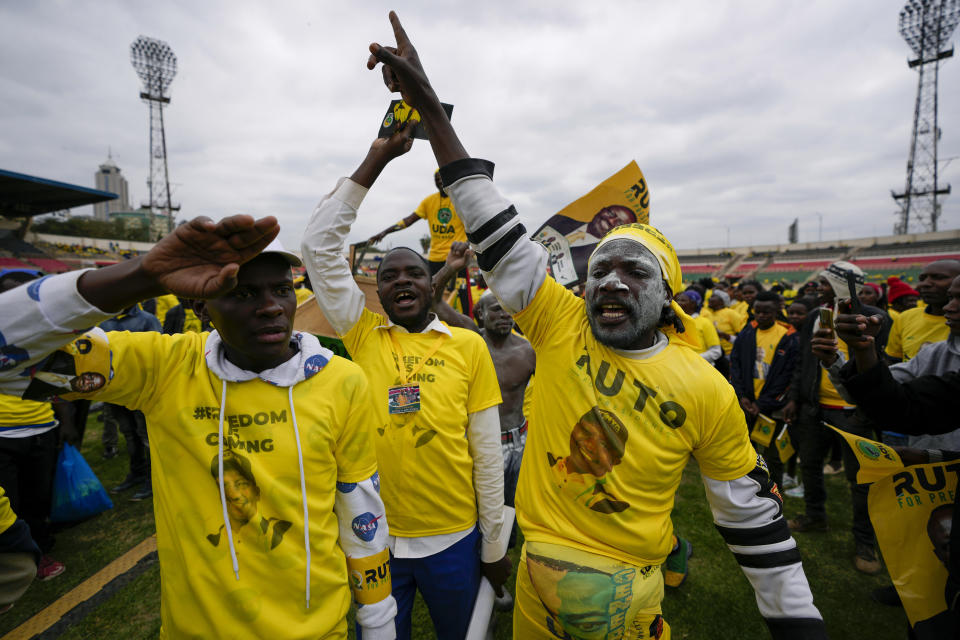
156, 64
926, 25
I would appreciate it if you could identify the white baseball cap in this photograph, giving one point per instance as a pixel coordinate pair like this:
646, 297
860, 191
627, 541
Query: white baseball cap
276, 247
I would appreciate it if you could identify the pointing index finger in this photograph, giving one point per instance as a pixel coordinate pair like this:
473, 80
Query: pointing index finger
398, 32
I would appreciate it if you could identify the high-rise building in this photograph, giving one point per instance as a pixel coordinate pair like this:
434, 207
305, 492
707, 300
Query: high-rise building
108, 178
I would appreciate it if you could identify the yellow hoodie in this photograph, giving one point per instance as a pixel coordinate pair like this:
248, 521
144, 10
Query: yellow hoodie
311, 412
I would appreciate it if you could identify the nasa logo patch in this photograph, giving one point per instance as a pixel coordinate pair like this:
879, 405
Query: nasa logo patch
365, 526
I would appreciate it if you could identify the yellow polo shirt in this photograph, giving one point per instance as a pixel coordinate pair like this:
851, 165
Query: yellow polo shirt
912, 329
423, 456
610, 435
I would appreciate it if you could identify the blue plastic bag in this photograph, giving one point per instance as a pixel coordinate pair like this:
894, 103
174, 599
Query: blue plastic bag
77, 492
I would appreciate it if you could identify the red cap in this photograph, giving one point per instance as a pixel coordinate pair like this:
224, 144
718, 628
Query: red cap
897, 288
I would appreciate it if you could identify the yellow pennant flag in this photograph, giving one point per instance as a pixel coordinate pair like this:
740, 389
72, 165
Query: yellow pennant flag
785, 446
572, 233
877, 460
912, 511
763, 430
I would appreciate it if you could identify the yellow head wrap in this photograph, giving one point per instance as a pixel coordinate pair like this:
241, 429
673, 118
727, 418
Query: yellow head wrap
657, 244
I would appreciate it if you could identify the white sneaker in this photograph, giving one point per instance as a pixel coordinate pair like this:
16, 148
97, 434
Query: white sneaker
796, 492
789, 481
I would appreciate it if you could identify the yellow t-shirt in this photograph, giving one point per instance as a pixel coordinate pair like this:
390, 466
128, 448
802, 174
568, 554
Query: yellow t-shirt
767, 341
16, 413
424, 456
7, 516
164, 304
528, 399
167, 378
828, 393
610, 435
728, 321
708, 333
912, 329
445, 226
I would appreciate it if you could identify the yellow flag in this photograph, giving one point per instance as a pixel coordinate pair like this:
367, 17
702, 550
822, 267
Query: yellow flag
911, 511
763, 430
876, 459
784, 446
572, 233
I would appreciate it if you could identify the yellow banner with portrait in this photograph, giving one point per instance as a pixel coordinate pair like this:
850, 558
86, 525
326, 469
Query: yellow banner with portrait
912, 513
572, 233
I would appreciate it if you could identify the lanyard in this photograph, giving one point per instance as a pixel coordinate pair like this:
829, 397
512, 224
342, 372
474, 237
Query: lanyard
398, 357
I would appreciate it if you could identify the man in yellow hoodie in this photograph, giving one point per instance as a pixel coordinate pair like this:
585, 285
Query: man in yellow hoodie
621, 351
293, 410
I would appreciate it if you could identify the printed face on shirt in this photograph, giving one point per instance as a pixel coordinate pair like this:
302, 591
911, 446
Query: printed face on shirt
255, 318
597, 443
403, 284
87, 382
608, 218
242, 495
625, 294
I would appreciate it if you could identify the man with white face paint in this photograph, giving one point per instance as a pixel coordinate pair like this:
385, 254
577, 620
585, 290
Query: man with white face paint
621, 403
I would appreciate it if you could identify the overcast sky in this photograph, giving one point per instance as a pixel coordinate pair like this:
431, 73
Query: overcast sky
742, 115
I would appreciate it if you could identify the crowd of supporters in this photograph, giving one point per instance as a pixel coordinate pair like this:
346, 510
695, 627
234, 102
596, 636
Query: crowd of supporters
297, 481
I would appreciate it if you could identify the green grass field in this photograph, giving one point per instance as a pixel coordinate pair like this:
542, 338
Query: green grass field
715, 602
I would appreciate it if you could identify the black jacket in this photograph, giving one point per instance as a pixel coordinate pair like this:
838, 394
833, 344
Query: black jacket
743, 361
805, 386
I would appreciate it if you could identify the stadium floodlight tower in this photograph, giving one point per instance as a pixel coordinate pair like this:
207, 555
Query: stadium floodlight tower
156, 65
926, 25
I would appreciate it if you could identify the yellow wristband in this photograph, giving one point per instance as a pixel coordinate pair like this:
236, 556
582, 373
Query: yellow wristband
370, 577
401, 225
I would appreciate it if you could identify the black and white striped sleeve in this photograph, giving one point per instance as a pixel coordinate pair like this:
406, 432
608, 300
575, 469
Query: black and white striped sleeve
749, 515
513, 266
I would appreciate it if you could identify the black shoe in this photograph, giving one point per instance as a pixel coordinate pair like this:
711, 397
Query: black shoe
146, 493
804, 524
109, 452
129, 483
887, 595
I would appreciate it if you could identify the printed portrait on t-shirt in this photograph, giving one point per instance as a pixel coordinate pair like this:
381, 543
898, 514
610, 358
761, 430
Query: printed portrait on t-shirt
597, 444
242, 495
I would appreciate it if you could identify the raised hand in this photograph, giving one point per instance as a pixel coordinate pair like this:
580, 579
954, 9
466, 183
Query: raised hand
397, 144
460, 254
200, 259
402, 70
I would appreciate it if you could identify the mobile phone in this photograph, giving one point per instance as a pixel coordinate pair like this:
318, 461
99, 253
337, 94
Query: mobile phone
855, 305
826, 318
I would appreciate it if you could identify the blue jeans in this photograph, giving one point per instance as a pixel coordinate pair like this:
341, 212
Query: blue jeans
448, 581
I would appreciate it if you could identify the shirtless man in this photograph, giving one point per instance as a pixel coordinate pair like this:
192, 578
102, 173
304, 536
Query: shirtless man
513, 358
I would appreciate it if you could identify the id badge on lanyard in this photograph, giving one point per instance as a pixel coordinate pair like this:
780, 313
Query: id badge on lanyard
405, 397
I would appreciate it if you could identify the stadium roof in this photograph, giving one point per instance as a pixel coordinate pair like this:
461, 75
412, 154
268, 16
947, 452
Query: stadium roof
23, 195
